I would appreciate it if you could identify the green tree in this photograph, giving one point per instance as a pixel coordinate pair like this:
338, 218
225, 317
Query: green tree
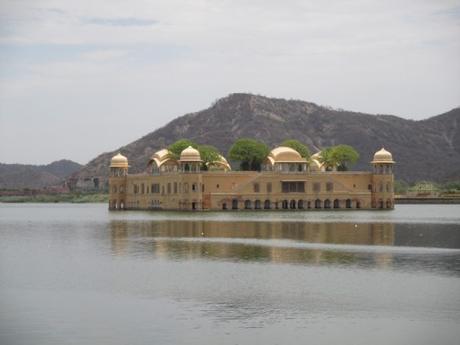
401, 187
345, 156
339, 157
298, 146
208, 155
180, 145
328, 159
249, 152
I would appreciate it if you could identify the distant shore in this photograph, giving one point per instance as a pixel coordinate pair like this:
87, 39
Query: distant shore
427, 200
79, 198
76, 198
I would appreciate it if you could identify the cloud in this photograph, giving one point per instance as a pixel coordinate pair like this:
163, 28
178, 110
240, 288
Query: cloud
143, 62
120, 21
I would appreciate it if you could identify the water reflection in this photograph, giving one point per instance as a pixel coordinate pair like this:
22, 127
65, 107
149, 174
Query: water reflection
383, 245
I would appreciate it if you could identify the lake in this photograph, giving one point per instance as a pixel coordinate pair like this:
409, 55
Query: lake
79, 274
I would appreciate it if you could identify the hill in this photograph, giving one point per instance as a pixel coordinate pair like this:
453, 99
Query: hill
424, 150
20, 176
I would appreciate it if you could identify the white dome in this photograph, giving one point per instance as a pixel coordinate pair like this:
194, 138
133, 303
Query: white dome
190, 154
119, 161
383, 156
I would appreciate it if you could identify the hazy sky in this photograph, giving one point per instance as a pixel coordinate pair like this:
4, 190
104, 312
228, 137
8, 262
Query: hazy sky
78, 78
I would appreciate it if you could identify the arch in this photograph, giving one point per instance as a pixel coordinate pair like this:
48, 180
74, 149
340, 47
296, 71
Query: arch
317, 203
247, 204
327, 203
348, 203
292, 204
380, 203
257, 204
388, 204
300, 205
224, 205
358, 204
267, 204
308, 204
285, 204
336, 203
234, 204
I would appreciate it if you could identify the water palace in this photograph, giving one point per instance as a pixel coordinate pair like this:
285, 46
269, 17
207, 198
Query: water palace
286, 181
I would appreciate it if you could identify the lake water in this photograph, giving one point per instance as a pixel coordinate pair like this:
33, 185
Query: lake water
78, 274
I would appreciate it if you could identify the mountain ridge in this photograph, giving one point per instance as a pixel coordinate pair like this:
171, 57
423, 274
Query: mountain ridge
20, 176
424, 149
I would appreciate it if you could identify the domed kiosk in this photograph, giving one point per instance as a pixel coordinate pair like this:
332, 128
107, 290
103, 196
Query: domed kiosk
119, 165
190, 160
285, 159
117, 182
383, 180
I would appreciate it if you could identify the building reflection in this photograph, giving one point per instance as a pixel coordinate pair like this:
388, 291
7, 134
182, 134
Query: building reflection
247, 241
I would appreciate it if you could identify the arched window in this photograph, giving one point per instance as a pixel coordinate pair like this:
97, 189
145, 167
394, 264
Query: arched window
317, 203
300, 204
267, 204
292, 204
257, 205
247, 204
348, 203
285, 204
336, 203
327, 203
235, 204
388, 204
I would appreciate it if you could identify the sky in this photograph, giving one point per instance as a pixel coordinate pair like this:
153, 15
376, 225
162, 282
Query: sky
78, 78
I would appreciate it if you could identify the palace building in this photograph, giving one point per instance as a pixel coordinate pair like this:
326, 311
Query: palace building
286, 181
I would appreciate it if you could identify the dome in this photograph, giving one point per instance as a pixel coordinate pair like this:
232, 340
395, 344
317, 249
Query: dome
190, 155
382, 156
284, 154
220, 164
161, 157
119, 161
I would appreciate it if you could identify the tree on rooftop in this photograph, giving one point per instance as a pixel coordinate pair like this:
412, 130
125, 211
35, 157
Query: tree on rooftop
180, 145
209, 154
249, 152
340, 157
345, 156
298, 146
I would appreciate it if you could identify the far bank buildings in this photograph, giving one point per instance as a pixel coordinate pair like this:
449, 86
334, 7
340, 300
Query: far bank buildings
286, 182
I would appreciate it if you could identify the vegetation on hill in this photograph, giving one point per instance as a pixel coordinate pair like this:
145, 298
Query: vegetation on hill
19, 176
423, 150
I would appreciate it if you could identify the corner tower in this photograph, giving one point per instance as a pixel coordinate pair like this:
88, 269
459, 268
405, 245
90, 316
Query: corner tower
383, 180
117, 182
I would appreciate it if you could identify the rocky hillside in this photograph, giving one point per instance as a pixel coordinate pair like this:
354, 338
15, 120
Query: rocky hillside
20, 176
428, 149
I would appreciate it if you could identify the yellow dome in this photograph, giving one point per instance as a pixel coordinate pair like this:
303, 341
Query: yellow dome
190, 155
119, 161
382, 156
161, 157
284, 154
